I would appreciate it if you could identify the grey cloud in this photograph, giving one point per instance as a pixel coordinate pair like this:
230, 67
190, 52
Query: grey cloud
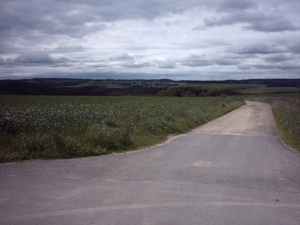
233, 5
96, 65
34, 58
278, 67
217, 41
121, 57
5, 47
264, 67
232, 18
226, 62
257, 49
244, 67
112, 75
72, 18
289, 67
9, 61
257, 21
199, 61
137, 65
113, 10
276, 25
40, 25
278, 58
78, 18
67, 49
47, 17
295, 47
127, 61
166, 65
61, 60
39, 58
195, 61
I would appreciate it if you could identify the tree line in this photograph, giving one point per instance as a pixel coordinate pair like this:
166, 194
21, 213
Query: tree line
25, 87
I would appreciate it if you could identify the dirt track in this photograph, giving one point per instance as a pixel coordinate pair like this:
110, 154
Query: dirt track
252, 119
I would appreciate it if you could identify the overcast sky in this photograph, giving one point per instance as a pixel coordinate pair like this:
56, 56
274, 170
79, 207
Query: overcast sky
124, 39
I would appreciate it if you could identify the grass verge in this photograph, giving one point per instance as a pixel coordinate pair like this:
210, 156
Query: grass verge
65, 127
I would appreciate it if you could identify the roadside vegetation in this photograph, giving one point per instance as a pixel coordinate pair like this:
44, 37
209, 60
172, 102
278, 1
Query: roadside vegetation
48, 127
286, 112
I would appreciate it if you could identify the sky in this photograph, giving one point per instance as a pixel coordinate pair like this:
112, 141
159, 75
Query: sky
150, 39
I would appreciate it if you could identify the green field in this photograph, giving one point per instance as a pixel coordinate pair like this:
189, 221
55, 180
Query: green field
33, 127
220, 86
274, 95
264, 89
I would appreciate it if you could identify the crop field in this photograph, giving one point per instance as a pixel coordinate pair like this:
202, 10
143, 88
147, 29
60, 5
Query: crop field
33, 127
274, 95
263, 89
228, 86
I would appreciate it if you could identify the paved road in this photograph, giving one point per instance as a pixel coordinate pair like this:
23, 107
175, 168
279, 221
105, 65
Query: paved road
243, 175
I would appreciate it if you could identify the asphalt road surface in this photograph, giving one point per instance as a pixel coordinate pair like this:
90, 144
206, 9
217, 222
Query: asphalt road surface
233, 170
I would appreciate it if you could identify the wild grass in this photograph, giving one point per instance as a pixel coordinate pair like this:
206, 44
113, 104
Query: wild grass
36, 127
286, 112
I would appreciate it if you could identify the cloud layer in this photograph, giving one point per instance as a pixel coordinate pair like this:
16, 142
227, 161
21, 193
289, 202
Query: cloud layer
176, 39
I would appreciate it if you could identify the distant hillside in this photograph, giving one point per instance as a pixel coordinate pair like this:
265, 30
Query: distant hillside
162, 87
